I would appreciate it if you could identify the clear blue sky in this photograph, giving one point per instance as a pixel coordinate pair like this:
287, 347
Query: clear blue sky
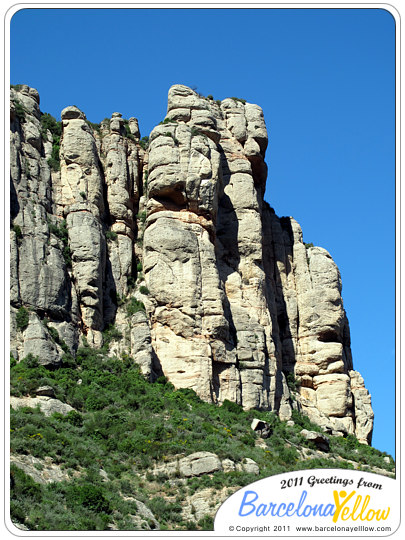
326, 82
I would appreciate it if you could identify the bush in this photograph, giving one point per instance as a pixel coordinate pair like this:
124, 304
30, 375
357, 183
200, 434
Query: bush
134, 306
240, 100
90, 496
61, 232
17, 231
111, 333
22, 318
291, 381
143, 289
144, 143
13, 361
19, 111
195, 132
206, 523
167, 121
48, 122
94, 127
111, 235
231, 406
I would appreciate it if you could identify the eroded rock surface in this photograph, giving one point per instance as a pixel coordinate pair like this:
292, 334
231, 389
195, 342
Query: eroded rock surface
176, 247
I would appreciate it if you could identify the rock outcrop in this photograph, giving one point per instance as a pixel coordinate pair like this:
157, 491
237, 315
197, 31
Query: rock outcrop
176, 247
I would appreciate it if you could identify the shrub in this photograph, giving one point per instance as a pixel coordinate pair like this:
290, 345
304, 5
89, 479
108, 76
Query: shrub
167, 511
74, 418
17, 231
168, 134
54, 163
195, 132
231, 406
167, 121
90, 496
206, 523
111, 235
31, 361
144, 143
291, 381
111, 333
19, 110
13, 361
304, 421
130, 283
24, 491
22, 318
128, 133
94, 127
142, 216
134, 306
308, 245
61, 232
239, 99
143, 289
49, 122
83, 195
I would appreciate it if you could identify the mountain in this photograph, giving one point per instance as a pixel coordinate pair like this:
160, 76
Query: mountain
156, 261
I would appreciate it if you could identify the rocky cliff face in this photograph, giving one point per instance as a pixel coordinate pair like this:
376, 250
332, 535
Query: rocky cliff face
174, 247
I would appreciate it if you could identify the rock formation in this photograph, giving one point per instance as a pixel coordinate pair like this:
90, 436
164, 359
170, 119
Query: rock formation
237, 307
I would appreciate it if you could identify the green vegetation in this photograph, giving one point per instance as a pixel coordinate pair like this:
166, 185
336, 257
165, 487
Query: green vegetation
142, 216
143, 289
134, 306
239, 99
195, 132
145, 182
83, 195
111, 235
167, 121
110, 334
94, 127
61, 232
168, 134
105, 123
22, 318
17, 231
144, 143
292, 383
131, 283
308, 245
128, 133
48, 122
19, 110
67, 358
123, 423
